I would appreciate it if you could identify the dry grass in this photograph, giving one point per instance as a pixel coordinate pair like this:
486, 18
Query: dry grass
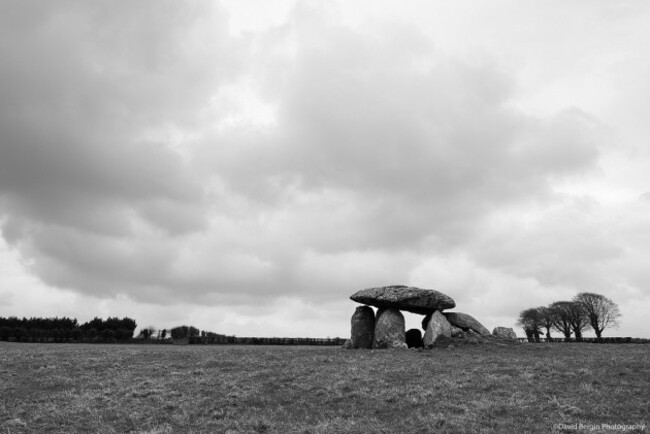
83, 388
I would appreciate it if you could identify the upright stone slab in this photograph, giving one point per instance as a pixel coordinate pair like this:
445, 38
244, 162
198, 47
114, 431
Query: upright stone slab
466, 322
408, 298
363, 327
425, 321
390, 331
438, 327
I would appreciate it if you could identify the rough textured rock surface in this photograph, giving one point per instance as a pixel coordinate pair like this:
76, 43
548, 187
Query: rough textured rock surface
363, 327
466, 322
414, 338
389, 329
437, 328
470, 337
409, 298
504, 332
455, 331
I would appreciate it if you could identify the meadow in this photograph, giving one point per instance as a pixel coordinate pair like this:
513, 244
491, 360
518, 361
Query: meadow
535, 388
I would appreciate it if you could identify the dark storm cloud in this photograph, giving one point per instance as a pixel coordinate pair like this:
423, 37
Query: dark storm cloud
83, 89
88, 94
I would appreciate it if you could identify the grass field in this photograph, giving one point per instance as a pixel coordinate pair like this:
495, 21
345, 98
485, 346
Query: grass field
85, 388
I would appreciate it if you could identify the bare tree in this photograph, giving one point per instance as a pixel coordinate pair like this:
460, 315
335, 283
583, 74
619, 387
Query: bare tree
601, 311
530, 320
577, 318
561, 317
546, 318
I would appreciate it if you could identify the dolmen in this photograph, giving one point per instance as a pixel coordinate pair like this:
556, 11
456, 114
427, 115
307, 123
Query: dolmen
385, 328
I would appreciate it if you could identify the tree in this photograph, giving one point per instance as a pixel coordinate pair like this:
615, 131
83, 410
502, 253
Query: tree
546, 319
5, 332
108, 335
91, 333
193, 331
601, 311
179, 332
530, 321
578, 318
130, 325
96, 323
147, 332
560, 315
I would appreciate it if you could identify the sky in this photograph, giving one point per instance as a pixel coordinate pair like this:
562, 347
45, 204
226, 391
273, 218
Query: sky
246, 166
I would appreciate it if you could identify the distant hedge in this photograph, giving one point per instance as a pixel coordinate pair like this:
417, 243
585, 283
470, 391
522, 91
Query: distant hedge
66, 329
184, 331
607, 340
213, 338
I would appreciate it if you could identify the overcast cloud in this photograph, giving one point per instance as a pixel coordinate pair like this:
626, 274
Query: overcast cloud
246, 166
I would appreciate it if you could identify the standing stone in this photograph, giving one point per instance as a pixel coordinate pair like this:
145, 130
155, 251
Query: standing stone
466, 322
389, 329
438, 327
425, 321
347, 344
414, 338
363, 327
505, 332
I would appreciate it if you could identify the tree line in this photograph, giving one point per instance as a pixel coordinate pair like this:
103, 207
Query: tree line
195, 336
179, 332
112, 329
213, 338
572, 317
